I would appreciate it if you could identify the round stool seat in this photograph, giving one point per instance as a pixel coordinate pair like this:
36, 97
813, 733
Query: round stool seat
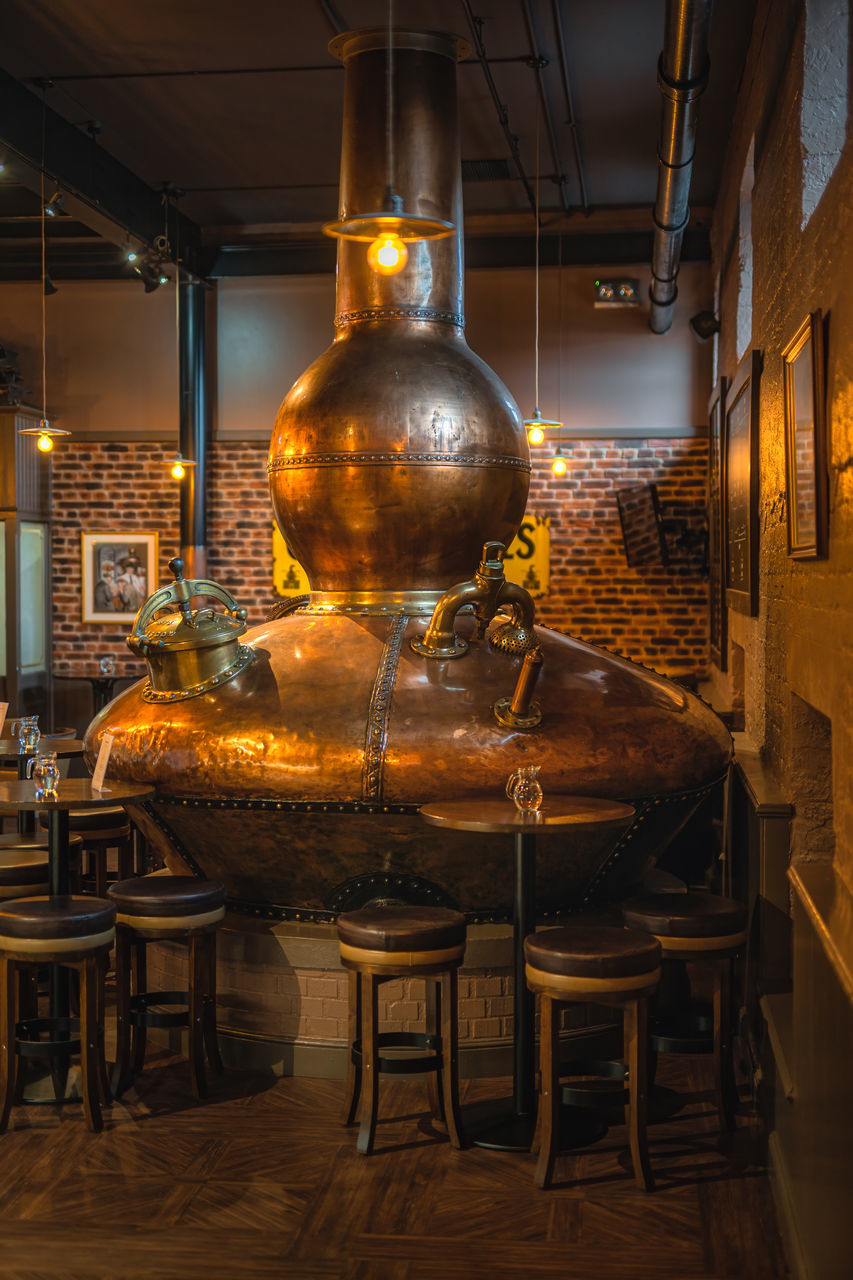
688, 921
170, 902
69, 923
13, 842
23, 872
592, 958
401, 935
97, 824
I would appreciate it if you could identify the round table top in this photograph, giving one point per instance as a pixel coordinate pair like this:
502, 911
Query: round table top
74, 793
558, 813
10, 748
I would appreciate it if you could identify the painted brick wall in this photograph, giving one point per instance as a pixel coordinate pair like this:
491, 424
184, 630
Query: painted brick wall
653, 615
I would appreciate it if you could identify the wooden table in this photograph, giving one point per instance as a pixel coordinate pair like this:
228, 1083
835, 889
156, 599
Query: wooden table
511, 1127
73, 793
103, 684
10, 749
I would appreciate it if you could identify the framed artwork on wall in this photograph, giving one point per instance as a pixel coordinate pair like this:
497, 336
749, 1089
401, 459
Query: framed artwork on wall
718, 610
118, 573
805, 442
740, 486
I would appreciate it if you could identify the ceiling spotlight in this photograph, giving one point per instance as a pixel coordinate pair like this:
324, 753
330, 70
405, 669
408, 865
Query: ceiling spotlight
131, 255
149, 272
54, 205
49, 287
704, 325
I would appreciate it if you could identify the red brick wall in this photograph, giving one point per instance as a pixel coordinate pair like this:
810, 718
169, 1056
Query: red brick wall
653, 615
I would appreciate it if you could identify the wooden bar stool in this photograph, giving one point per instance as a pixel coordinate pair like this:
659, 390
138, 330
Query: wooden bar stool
75, 933
24, 871
158, 908
100, 830
376, 945
591, 964
708, 931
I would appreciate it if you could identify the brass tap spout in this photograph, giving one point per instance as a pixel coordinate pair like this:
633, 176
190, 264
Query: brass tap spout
519, 711
487, 591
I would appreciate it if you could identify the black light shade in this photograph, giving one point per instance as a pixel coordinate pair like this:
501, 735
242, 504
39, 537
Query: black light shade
704, 325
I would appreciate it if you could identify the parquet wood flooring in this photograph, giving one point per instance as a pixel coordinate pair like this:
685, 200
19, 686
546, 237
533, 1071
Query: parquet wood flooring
262, 1180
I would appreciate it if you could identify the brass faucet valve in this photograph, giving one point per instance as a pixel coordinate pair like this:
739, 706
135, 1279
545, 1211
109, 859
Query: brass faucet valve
519, 711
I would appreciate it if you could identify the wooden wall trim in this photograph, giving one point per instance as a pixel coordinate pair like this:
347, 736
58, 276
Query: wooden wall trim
829, 905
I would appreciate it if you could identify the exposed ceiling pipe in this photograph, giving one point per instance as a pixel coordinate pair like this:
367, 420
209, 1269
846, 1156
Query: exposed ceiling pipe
682, 77
475, 27
538, 63
567, 90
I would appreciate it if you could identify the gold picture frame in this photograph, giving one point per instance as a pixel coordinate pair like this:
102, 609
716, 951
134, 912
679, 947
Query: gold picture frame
805, 441
118, 573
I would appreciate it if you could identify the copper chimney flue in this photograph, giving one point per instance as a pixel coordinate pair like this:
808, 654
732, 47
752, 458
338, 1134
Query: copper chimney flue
398, 453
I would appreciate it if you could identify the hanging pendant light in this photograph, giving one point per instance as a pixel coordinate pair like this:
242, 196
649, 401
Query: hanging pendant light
537, 424
178, 465
387, 230
45, 432
559, 466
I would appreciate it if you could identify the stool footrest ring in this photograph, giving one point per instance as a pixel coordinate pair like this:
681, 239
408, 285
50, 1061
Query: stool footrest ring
144, 1005
689, 1032
29, 1044
403, 1040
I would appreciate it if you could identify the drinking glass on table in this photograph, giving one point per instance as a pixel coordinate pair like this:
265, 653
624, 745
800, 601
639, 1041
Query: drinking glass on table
107, 665
28, 733
44, 771
525, 790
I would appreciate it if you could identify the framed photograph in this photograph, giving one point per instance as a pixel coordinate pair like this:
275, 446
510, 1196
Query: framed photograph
119, 572
718, 611
740, 486
805, 442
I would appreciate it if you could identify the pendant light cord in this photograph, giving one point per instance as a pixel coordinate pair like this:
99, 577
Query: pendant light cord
536, 273
389, 104
43, 271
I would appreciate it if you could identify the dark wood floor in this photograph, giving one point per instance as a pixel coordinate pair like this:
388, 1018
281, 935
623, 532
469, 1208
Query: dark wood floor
263, 1181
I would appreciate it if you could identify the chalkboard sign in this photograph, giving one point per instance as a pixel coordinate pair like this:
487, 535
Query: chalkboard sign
642, 530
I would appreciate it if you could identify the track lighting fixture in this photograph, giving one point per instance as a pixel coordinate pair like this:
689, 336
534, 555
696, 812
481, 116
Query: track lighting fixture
53, 207
536, 424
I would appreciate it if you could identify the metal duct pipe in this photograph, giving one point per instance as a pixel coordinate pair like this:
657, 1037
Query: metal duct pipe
193, 426
682, 77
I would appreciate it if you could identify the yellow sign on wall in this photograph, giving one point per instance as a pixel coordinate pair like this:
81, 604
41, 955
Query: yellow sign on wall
528, 560
288, 576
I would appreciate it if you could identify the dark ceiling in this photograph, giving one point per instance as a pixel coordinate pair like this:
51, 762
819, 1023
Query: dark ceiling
236, 109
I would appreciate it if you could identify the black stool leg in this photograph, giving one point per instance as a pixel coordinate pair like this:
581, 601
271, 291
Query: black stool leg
88, 970
353, 1083
435, 1091
121, 1071
725, 1089
450, 1059
635, 1018
211, 1040
138, 1031
8, 1042
370, 1064
549, 1097
196, 1015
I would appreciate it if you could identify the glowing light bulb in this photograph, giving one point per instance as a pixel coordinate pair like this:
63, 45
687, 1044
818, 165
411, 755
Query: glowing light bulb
559, 465
536, 435
45, 442
178, 471
387, 254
